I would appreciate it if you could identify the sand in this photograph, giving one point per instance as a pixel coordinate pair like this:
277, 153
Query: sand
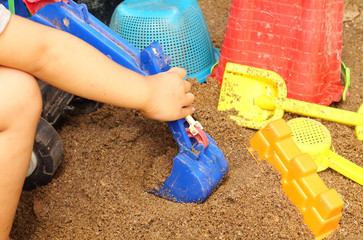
113, 156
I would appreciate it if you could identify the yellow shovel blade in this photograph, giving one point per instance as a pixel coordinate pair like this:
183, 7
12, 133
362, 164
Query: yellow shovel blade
241, 87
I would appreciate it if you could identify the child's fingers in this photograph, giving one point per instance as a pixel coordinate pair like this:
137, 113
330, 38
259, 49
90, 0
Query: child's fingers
189, 99
180, 71
185, 111
187, 86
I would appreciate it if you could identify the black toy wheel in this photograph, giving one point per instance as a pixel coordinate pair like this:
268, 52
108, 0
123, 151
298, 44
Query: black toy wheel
46, 156
85, 106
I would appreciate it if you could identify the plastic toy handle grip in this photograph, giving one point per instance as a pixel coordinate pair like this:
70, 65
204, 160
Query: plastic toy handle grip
311, 110
345, 167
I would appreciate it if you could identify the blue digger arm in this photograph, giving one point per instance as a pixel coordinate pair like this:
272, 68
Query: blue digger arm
75, 19
150, 55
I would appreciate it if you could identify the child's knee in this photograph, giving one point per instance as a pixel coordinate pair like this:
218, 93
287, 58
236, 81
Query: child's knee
20, 96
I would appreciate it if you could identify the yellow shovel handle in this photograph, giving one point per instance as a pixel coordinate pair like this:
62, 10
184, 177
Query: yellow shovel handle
345, 167
311, 110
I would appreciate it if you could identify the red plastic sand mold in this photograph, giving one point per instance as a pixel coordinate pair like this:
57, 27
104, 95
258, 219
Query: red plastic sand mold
300, 40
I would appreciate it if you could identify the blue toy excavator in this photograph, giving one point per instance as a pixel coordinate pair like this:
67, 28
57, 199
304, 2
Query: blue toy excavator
200, 165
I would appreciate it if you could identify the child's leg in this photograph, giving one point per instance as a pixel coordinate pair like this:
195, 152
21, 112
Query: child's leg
20, 108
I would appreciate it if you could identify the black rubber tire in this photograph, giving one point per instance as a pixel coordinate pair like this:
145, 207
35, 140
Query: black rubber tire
85, 106
49, 152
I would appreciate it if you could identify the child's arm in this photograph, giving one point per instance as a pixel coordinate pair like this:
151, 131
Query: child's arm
73, 65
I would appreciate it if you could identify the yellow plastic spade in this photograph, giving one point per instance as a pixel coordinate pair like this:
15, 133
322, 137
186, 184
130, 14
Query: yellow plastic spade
254, 97
241, 86
314, 138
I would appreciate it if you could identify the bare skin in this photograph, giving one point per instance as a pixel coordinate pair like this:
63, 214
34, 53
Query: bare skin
18, 121
28, 49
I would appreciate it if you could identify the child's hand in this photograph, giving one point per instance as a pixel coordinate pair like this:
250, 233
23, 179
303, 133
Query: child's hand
169, 98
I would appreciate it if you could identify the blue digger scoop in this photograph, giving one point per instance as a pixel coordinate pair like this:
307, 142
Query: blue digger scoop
194, 175
200, 165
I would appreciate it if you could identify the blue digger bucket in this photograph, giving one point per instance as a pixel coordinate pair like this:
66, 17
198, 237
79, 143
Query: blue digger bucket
200, 165
194, 176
